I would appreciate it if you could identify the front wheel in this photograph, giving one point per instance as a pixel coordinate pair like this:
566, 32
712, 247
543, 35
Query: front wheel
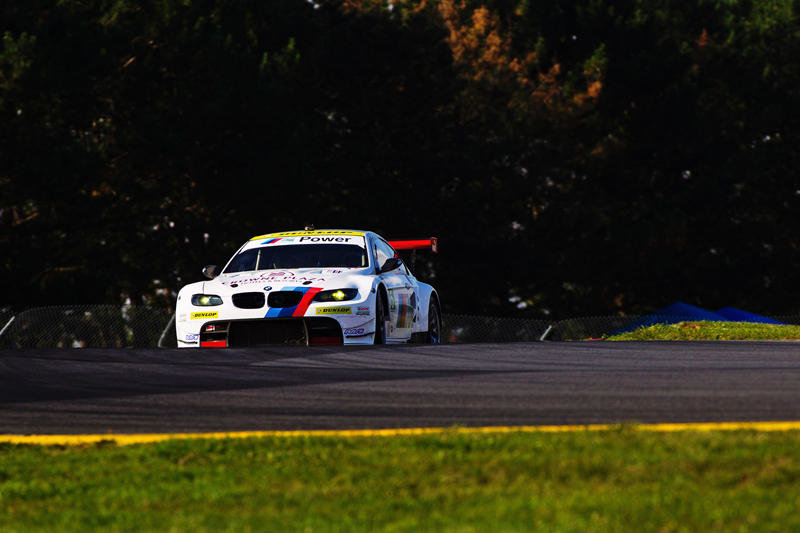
434, 334
380, 320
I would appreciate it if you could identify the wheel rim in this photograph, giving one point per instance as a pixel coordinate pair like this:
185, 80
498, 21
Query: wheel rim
434, 335
380, 327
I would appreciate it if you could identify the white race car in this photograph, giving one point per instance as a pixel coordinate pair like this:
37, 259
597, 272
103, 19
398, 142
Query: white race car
310, 287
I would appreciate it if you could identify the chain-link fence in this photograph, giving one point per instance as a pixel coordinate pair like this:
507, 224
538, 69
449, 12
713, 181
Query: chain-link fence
470, 328
597, 327
84, 326
113, 326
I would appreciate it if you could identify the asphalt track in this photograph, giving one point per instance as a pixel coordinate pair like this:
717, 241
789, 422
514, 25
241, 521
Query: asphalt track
292, 388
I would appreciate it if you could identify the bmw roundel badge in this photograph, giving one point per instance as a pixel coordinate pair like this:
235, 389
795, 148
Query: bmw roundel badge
267, 288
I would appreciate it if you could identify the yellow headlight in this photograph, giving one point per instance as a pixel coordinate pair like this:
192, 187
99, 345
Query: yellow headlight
338, 295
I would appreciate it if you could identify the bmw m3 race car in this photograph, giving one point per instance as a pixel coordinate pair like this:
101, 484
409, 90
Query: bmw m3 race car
310, 287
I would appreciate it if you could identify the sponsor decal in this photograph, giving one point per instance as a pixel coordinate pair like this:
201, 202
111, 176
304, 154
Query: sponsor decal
278, 276
324, 239
311, 239
298, 310
308, 233
333, 310
182, 317
362, 311
323, 271
192, 337
405, 314
276, 239
353, 332
205, 314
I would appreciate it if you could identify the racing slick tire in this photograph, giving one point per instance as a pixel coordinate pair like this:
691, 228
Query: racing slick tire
380, 319
434, 333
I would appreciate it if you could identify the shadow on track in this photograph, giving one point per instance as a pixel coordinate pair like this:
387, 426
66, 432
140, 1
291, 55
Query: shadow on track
52, 375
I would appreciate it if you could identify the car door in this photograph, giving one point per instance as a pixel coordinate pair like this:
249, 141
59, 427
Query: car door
400, 290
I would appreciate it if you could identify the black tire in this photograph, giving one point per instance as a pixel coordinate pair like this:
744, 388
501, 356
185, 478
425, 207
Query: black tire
380, 319
434, 333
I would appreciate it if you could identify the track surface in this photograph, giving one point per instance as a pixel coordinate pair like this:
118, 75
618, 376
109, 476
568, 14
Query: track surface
127, 391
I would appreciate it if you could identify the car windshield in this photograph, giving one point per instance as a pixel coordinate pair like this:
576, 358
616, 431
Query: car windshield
299, 256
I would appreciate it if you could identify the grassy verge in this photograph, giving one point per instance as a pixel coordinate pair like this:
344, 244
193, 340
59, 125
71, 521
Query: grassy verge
594, 480
710, 331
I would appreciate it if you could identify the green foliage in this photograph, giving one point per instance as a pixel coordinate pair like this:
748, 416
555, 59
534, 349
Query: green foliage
615, 480
582, 157
710, 331
15, 57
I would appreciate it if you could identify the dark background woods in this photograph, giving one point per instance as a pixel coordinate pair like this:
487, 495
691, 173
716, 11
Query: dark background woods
574, 157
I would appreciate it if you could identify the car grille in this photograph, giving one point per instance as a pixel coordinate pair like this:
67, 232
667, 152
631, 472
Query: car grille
284, 298
249, 300
312, 331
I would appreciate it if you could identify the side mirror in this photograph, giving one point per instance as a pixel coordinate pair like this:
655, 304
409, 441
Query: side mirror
390, 264
210, 271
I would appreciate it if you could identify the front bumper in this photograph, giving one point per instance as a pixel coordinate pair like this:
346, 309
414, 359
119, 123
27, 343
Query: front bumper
349, 322
302, 331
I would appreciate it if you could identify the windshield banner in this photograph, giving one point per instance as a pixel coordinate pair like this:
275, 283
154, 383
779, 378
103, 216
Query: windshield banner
271, 240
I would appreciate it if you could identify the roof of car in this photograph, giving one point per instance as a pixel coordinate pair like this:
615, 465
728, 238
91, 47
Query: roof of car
305, 233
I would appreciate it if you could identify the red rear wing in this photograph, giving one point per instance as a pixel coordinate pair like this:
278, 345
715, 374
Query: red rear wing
421, 244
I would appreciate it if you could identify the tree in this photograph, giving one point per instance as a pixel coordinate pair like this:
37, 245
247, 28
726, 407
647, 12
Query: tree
573, 157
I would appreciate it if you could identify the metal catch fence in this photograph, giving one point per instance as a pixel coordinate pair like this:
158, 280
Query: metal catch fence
85, 326
471, 328
114, 326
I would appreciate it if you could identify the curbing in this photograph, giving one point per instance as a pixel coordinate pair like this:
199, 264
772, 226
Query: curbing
144, 438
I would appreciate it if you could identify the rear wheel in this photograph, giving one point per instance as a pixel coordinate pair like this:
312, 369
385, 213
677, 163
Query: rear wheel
380, 319
434, 334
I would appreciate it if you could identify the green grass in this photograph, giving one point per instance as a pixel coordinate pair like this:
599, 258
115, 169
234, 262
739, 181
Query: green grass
617, 480
710, 331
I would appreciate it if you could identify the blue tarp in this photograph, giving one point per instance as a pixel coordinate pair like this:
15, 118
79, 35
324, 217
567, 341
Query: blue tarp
681, 312
689, 312
737, 315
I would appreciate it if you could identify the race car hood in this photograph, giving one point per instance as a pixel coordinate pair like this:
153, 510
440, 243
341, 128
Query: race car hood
285, 279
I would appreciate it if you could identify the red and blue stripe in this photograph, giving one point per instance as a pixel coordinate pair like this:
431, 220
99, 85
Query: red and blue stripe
299, 309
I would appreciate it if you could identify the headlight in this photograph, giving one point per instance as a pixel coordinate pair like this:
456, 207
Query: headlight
205, 300
336, 295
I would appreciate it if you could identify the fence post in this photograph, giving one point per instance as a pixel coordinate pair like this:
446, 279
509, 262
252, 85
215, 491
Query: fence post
7, 324
164, 333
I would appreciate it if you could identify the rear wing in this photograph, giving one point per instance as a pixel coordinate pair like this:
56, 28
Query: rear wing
420, 244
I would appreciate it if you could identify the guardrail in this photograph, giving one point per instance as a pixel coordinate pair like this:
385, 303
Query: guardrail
114, 326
